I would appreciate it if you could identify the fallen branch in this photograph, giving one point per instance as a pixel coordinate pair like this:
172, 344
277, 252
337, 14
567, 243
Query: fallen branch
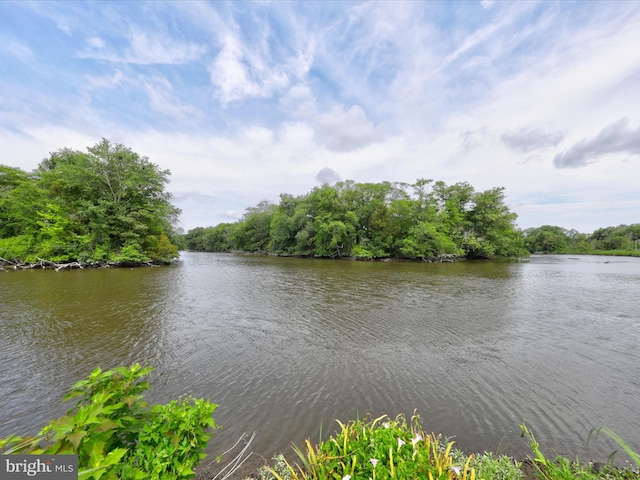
57, 266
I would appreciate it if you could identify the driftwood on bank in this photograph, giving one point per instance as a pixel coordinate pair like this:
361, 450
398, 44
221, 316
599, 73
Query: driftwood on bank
445, 257
57, 266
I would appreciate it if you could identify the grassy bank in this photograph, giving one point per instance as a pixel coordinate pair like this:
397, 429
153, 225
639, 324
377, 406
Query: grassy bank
617, 253
385, 448
612, 253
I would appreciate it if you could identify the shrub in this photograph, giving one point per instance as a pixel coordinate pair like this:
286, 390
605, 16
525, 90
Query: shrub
494, 467
380, 449
131, 253
116, 434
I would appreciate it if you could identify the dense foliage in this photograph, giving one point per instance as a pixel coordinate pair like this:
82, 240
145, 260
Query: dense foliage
382, 448
424, 220
396, 449
116, 434
108, 204
552, 239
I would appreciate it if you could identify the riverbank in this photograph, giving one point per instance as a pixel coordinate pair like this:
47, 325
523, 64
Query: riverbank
57, 266
250, 469
397, 448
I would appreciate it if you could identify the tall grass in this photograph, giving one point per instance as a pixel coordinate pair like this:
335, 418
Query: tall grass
562, 468
383, 448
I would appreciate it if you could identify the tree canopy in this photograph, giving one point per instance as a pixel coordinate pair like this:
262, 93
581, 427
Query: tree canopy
424, 220
553, 239
106, 204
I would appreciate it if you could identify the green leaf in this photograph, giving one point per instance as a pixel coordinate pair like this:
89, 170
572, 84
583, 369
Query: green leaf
76, 437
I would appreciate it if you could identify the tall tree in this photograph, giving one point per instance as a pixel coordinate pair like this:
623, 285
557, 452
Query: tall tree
108, 203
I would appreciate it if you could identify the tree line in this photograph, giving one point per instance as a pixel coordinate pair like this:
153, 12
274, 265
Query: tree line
107, 204
425, 220
552, 239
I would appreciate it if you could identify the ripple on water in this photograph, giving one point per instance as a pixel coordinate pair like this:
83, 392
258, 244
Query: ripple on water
287, 345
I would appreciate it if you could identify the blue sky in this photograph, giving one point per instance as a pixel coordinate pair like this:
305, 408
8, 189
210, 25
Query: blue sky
243, 101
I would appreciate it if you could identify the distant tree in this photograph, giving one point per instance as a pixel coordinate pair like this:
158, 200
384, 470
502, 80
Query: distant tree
546, 239
622, 237
375, 220
252, 233
492, 227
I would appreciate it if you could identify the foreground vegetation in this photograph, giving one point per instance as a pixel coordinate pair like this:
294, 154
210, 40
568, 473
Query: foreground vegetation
117, 435
106, 205
424, 220
385, 449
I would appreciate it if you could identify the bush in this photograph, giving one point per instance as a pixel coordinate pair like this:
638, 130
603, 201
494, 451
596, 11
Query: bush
494, 467
380, 449
131, 253
15, 248
116, 434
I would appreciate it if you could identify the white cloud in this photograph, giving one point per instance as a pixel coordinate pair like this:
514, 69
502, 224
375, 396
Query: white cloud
95, 42
144, 48
108, 81
243, 102
16, 48
162, 99
343, 129
147, 48
63, 27
299, 101
242, 71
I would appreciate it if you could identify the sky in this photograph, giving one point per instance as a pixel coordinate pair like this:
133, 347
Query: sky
244, 101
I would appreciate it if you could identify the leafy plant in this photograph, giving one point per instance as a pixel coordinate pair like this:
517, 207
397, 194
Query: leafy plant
379, 449
131, 253
281, 470
116, 434
500, 467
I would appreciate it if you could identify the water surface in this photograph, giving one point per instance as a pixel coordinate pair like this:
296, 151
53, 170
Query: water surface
287, 345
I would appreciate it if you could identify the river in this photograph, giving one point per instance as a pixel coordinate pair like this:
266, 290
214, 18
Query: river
285, 346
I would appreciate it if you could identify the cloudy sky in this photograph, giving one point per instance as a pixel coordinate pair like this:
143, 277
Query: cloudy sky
243, 101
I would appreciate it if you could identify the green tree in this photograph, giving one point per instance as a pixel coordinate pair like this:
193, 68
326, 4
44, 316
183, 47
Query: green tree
252, 233
334, 225
369, 202
20, 199
375, 220
425, 241
87, 206
492, 227
285, 224
112, 195
546, 239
